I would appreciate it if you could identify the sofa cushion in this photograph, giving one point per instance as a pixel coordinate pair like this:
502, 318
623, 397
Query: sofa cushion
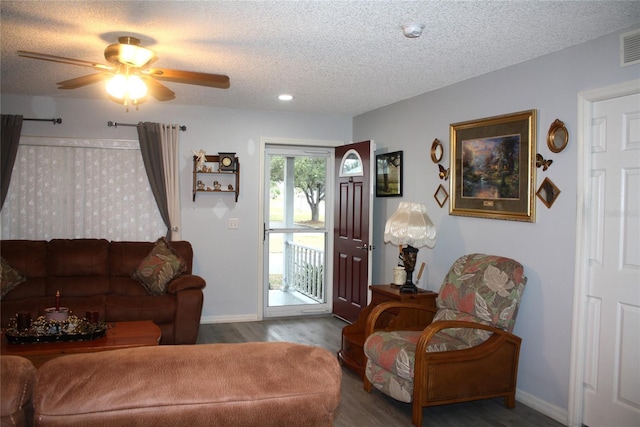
487, 287
158, 268
18, 376
160, 309
246, 384
391, 359
471, 336
10, 277
395, 351
77, 286
77, 257
29, 258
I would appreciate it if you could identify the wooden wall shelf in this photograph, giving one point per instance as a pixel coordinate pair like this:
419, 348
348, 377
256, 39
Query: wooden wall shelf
224, 178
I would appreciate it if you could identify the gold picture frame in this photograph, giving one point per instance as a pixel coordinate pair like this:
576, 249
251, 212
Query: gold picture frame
493, 167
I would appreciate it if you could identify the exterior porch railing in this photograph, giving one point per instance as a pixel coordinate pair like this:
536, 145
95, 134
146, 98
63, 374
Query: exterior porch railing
304, 270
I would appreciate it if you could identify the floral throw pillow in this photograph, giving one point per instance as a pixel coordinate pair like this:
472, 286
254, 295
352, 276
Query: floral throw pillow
159, 268
10, 278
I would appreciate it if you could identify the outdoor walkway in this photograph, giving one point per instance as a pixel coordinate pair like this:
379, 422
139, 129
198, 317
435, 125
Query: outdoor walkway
279, 298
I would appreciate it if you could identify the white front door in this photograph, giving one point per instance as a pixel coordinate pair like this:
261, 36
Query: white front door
612, 334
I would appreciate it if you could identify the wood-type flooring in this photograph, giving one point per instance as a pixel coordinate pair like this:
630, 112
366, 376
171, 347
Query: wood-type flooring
357, 407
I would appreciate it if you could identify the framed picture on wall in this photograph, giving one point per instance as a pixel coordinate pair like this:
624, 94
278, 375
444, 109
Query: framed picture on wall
493, 167
389, 174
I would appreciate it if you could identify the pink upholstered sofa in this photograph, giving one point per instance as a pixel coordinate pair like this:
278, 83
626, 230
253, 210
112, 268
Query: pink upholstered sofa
248, 384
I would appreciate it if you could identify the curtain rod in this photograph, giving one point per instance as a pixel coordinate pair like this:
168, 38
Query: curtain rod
54, 121
114, 124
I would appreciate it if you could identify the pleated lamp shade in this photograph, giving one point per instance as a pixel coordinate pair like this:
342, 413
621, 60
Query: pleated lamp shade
410, 225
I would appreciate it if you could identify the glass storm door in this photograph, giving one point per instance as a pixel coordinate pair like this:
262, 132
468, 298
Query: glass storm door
295, 234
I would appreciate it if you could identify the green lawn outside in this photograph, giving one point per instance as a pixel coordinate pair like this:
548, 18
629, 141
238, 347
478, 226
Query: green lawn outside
300, 216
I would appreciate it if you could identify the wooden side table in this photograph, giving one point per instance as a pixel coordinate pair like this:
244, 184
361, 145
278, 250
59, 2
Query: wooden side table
351, 354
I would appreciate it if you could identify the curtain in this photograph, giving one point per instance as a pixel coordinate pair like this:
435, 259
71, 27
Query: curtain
150, 136
171, 176
11, 129
75, 188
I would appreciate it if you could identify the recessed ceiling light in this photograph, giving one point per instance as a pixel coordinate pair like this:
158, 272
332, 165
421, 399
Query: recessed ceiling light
285, 97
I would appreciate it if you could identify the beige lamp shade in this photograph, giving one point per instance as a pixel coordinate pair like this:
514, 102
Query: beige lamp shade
410, 225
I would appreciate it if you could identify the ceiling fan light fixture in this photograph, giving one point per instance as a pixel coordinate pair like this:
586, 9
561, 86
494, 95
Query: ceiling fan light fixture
117, 86
130, 78
136, 87
123, 86
135, 56
129, 52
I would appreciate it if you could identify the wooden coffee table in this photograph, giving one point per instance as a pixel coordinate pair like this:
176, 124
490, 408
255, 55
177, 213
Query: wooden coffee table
119, 335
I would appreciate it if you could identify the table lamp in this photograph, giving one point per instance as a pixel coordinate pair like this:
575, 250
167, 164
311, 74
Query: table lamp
410, 227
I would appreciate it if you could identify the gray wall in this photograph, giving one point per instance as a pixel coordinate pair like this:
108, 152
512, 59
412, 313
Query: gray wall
546, 248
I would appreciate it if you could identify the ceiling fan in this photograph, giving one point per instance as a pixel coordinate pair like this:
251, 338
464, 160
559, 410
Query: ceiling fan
129, 73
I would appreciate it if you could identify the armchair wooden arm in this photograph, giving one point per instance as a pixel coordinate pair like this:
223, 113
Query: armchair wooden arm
402, 314
489, 369
405, 316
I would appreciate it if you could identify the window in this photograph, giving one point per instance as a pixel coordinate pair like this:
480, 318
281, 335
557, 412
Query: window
351, 164
80, 188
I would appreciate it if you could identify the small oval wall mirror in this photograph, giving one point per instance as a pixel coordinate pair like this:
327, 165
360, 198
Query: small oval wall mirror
436, 151
558, 136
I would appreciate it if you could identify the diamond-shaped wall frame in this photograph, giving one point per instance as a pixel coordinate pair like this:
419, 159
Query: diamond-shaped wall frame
548, 192
441, 195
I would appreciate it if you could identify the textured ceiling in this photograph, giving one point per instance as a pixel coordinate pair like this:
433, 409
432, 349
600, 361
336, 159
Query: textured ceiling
334, 57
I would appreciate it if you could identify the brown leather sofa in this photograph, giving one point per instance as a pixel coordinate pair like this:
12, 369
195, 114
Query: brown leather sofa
96, 275
17, 376
248, 384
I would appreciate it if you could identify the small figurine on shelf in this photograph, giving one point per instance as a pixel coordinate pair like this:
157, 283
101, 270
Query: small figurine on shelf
201, 158
200, 185
216, 186
230, 187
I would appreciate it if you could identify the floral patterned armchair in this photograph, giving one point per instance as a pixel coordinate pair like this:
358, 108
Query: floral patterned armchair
468, 351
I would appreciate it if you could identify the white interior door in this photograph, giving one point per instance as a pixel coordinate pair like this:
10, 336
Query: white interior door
612, 338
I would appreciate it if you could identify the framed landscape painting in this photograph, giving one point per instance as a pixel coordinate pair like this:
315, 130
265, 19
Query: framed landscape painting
389, 174
493, 167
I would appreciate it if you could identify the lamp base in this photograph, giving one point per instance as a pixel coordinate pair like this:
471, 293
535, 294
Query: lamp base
408, 288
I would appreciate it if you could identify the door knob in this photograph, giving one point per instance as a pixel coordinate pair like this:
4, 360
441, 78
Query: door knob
366, 247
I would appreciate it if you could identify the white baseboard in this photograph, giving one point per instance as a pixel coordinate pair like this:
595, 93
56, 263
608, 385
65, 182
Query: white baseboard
557, 413
229, 319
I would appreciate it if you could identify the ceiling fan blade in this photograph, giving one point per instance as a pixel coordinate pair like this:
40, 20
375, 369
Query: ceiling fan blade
83, 81
64, 60
158, 90
219, 81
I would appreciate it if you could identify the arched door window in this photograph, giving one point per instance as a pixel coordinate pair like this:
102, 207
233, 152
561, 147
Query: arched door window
351, 164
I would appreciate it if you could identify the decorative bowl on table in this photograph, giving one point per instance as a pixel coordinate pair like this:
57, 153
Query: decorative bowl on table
43, 330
